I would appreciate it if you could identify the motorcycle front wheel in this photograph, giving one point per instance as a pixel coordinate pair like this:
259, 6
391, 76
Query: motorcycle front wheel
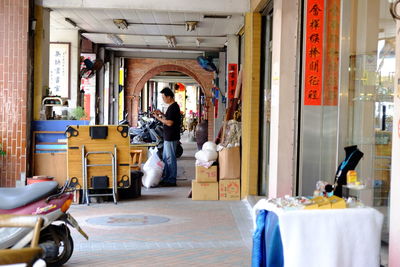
179, 151
61, 237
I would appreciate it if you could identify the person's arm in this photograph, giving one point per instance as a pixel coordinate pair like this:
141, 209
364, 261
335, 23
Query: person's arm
161, 117
158, 113
165, 121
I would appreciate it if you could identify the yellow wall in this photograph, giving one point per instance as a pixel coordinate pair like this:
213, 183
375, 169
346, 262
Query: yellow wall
37, 80
251, 104
41, 58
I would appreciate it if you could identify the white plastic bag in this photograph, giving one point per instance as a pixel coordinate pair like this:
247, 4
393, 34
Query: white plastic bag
206, 155
153, 169
151, 178
209, 145
154, 162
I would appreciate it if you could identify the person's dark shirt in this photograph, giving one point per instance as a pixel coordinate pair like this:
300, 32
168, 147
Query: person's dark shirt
173, 133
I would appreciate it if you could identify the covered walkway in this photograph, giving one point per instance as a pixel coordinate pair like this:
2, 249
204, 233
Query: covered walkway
181, 233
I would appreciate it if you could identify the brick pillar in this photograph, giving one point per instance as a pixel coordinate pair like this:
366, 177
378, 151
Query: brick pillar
13, 88
135, 109
211, 118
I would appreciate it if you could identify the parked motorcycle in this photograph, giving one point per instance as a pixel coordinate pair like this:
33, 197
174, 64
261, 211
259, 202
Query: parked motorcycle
150, 130
51, 203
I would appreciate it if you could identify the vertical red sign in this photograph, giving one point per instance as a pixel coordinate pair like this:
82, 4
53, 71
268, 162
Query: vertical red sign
87, 106
314, 52
232, 79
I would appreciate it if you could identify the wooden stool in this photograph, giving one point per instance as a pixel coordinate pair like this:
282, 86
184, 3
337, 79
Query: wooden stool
136, 159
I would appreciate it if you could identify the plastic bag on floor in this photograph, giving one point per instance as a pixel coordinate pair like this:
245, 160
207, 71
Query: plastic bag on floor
153, 169
154, 162
151, 178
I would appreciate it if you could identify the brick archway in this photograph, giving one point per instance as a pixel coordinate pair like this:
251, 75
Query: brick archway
170, 67
142, 70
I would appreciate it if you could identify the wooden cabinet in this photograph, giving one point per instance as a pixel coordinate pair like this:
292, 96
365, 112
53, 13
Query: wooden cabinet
51, 164
49, 148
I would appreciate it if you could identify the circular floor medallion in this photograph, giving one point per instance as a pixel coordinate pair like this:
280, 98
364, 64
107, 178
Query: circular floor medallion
127, 220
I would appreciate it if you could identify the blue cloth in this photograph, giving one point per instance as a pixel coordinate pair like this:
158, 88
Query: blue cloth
267, 242
169, 158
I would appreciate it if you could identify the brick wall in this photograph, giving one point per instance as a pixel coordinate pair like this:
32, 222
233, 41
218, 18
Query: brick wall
13, 88
141, 70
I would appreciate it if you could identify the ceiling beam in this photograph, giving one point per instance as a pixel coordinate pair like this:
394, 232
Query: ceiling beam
149, 54
204, 6
144, 35
195, 49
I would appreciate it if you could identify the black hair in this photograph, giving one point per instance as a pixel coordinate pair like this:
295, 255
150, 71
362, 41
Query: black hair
167, 92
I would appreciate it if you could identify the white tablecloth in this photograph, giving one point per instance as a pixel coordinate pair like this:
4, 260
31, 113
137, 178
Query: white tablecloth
329, 238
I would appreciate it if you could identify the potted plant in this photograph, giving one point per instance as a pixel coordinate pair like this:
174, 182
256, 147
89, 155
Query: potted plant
78, 113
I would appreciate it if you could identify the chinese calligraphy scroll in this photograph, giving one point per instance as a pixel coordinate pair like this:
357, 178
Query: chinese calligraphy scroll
314, 52
59, 54
331, 70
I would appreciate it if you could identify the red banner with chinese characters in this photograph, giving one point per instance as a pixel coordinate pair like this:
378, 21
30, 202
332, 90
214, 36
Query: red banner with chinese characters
232, 79
87, 106
314, 52
331, 70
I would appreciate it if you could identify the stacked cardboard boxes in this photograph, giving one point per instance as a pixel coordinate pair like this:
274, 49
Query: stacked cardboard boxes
219, 182
205, 187
229, 173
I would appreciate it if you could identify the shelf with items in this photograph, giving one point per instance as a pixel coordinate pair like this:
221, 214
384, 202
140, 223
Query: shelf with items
49, 146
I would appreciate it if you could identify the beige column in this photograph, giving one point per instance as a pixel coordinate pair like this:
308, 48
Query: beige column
394, 231
251, 104
283, 98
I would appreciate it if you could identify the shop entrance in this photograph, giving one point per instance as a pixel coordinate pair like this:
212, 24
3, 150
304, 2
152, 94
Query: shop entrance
356, 104
368, 110
265, 98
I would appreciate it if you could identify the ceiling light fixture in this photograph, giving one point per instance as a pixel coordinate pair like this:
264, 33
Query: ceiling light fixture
191, 25
121, 24
198, 42
171, 41
70, 21
209, 16
117, 40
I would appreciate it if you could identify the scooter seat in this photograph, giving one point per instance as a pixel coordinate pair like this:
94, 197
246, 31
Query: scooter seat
11, 198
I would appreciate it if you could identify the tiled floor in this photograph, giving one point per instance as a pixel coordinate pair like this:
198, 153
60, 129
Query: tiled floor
198, 233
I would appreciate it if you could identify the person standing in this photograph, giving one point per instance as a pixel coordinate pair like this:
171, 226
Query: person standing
171, 121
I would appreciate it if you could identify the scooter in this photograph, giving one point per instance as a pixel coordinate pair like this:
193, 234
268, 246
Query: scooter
51, 203
150, 130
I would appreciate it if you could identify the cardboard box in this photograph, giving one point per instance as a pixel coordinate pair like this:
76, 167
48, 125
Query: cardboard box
204, 175
229, 163
204, 191
229, 189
